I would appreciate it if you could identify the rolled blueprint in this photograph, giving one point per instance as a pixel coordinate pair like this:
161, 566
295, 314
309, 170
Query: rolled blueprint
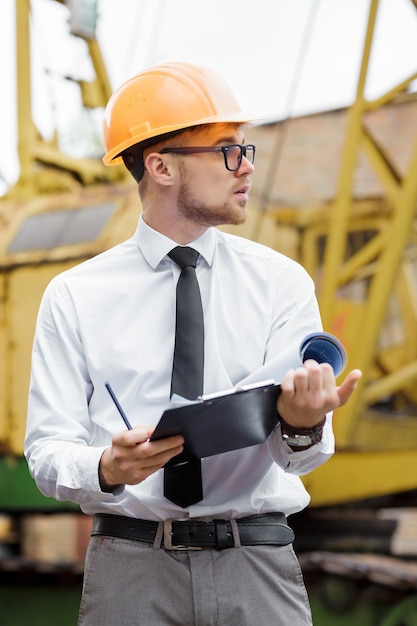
321, 347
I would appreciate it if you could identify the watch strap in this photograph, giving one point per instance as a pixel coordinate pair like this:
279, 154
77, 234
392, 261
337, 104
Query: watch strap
302, 437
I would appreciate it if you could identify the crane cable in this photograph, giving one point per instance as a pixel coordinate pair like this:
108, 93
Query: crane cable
282, 126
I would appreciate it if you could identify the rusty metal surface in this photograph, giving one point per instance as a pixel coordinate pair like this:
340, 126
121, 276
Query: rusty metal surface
384, 570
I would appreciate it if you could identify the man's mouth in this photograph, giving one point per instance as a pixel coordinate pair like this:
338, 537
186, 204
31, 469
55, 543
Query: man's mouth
243, 193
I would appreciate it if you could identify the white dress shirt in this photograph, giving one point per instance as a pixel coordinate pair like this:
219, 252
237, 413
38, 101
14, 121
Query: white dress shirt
112, 319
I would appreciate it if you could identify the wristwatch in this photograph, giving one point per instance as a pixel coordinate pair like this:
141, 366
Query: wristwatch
302, 438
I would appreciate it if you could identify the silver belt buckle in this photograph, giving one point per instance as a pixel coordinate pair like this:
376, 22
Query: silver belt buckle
168, 533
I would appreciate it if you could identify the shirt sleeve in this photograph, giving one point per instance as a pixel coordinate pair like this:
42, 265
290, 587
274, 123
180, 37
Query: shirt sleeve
296, 316
59, 431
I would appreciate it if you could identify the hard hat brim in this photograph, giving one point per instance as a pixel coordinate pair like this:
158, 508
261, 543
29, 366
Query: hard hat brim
112, 157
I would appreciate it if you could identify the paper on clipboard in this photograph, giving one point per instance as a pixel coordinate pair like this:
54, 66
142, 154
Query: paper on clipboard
322, 347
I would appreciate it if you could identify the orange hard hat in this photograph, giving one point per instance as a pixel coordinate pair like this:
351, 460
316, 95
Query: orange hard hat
164, 99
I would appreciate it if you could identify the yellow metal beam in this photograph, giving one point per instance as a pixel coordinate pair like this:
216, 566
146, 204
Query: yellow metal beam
379, 294
355, 475
377, 263
339, 217
25, 127
391, 383
42, 163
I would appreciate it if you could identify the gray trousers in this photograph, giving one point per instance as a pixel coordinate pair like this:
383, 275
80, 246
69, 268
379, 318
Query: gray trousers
128, 583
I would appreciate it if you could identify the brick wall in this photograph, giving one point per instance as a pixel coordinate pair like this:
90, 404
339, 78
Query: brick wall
298, 161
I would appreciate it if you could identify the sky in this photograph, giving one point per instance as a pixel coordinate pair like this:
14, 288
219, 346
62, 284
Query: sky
281, 57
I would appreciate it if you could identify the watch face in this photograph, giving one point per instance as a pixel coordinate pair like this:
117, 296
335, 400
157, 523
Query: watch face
298, 440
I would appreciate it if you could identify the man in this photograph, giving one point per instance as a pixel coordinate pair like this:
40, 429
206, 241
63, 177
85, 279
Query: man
179, 131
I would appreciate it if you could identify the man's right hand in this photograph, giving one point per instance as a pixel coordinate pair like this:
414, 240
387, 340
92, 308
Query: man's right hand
132, 457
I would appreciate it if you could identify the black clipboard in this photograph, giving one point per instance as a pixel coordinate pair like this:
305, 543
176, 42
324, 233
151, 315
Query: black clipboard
228, 422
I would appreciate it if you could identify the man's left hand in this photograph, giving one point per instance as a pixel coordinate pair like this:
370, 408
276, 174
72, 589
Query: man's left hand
310, 391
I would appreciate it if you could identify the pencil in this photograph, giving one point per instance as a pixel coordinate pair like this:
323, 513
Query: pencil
119, 408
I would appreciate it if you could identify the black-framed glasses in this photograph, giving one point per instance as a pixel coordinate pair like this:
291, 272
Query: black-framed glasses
232, 154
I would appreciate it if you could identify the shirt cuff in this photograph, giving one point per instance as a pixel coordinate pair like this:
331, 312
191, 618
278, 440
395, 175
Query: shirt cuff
303, 461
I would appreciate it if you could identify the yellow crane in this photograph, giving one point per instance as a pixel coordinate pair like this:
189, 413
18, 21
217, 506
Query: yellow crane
367, 285
60, 211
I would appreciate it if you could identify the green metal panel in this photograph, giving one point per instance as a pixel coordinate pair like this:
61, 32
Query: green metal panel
360, 615
39, 605
18, 490
403, 614
342, 601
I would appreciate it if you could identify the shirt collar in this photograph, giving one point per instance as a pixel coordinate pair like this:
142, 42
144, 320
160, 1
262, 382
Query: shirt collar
155, 246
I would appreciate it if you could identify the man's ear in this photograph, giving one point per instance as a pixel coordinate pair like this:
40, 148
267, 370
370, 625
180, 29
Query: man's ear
160, 168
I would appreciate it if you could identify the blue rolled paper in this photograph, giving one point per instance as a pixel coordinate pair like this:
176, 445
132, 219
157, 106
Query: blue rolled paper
324, 348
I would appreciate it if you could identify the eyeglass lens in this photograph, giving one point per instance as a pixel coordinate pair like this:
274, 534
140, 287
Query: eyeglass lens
235, 153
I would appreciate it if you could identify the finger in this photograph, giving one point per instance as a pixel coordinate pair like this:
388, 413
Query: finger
138, 462
141, 435
329, 379
156, 461
348, 386
147, 471
131, 438
314, 376
301, 380
167, 446
287, 383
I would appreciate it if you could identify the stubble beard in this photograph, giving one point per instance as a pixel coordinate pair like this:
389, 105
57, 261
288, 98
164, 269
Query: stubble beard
208, 215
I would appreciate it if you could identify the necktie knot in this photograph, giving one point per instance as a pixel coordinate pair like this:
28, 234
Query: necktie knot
184, 256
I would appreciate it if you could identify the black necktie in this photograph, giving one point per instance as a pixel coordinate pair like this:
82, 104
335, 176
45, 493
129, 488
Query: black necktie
182, 482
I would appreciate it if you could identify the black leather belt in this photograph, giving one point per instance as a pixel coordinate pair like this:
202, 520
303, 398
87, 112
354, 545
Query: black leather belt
270, 528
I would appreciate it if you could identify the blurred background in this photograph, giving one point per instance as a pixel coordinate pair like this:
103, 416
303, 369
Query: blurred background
335, 188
